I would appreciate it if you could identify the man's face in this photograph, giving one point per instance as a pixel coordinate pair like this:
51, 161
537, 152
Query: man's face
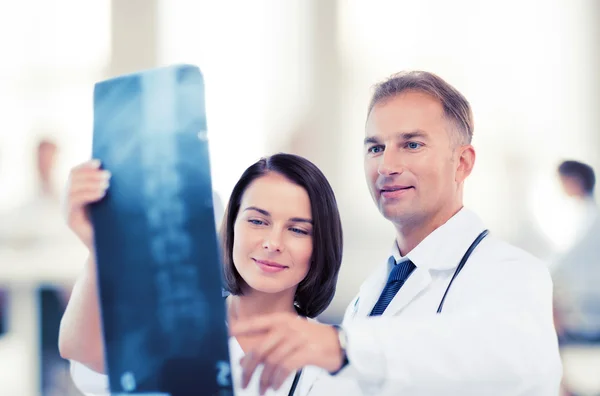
412, 164
46, 158
571, 186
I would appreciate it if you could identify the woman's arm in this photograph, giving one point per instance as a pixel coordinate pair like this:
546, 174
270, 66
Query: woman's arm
80, 336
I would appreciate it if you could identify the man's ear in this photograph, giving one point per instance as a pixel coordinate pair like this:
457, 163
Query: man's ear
465, 163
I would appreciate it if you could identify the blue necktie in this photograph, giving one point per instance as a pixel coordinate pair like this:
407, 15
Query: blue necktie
398, 276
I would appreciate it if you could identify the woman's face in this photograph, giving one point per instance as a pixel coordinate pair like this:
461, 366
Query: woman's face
273, 241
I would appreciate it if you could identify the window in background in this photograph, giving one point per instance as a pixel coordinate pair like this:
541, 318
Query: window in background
52, 54
526, 75
229, 45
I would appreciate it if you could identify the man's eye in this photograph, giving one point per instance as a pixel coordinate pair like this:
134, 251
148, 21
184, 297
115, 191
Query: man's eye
413, 145
376, 149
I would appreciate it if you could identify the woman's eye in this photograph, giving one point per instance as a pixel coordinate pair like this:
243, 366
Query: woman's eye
256, 222
298, 231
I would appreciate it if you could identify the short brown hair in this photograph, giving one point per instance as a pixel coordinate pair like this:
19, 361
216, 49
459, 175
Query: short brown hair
583, 173
315, 292
456, 107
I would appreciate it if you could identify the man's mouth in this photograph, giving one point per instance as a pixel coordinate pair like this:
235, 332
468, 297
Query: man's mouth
394, 188
394, 192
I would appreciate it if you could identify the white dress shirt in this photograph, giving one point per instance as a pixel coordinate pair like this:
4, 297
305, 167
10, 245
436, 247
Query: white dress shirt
92, 383
495, 335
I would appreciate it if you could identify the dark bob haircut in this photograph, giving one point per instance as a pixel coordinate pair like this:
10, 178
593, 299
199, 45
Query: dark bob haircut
317, 289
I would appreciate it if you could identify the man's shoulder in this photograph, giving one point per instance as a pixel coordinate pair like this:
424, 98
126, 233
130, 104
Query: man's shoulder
508, 251
498, 252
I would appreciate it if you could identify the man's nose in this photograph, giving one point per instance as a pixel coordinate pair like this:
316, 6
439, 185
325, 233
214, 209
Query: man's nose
390, 163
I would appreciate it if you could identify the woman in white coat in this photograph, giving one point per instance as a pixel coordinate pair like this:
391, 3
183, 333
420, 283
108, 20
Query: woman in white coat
282, 248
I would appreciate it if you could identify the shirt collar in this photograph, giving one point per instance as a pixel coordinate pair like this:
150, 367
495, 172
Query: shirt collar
445, 246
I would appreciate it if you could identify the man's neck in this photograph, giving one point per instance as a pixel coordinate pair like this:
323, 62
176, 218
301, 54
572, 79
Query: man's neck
410, 234
588, 200
46, 188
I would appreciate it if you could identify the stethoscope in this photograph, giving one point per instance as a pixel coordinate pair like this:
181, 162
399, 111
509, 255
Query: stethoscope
461, 265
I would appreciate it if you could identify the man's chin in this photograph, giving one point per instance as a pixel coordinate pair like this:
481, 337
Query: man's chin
395, 213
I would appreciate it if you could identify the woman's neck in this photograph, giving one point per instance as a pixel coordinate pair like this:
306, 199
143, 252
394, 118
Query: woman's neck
254, 303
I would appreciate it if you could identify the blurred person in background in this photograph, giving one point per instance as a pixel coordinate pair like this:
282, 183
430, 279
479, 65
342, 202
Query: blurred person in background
36, 225
578, 181
37, 232
34, 221
576, 278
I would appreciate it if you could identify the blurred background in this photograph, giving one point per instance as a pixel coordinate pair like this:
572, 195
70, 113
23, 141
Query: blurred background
292, 76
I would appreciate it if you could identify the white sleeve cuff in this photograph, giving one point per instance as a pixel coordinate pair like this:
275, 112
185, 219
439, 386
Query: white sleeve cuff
364, 351
88, 381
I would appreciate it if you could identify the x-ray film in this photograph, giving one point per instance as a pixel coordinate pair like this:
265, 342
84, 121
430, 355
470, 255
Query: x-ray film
158, 259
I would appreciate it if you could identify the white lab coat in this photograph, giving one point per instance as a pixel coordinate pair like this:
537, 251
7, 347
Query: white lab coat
91, 383
495, 335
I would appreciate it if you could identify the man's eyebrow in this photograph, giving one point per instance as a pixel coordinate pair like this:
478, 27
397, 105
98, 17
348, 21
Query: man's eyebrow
412, 135
371, 140
400, 136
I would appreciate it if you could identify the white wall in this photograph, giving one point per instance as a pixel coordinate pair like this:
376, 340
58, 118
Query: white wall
524, 66
52, 53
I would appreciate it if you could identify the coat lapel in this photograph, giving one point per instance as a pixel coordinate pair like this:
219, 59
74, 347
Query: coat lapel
373, 286
369, 293
416, 282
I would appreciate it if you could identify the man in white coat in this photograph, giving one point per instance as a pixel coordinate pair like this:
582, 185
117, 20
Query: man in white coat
453, 311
